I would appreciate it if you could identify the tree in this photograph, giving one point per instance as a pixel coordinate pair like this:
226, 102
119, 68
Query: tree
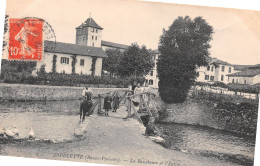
135, 61
111, 63
5, 30
184, 48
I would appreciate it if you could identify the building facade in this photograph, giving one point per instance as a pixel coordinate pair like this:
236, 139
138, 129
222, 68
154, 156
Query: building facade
152, 79
247, 76
216, 71
84, 57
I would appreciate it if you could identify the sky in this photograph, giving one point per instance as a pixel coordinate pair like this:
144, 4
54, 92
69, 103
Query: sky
236, 37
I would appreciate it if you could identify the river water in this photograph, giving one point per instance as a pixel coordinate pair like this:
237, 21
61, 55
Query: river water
209, 142
57, 120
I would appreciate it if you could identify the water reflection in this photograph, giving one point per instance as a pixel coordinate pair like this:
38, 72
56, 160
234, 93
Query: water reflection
201, 139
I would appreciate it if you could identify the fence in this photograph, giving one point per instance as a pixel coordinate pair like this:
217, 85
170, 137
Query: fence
225, 91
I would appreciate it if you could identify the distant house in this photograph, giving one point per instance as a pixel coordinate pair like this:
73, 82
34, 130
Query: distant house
152, 78
110, 45
248, 76
238, 68
216, 71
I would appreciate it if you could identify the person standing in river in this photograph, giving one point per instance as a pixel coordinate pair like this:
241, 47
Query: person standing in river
107, 103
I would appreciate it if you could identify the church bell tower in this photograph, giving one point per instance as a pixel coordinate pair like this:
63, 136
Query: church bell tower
89, 33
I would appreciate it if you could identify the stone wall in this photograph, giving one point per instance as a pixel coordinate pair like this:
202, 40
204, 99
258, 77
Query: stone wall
42, 92
240, 118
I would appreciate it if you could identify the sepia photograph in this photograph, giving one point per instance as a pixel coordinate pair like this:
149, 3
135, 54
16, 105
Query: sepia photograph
128, 82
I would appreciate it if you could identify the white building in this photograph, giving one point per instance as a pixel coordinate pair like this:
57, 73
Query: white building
248, 76
216, 71
152, 78
86, 55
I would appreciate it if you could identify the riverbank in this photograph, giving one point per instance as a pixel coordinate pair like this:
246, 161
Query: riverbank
239, 117
108, 140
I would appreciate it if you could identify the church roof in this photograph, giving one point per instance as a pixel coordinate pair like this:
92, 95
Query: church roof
90, 22
114, 45
75, 49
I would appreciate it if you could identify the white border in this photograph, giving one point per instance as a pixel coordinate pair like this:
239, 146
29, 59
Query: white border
239, 4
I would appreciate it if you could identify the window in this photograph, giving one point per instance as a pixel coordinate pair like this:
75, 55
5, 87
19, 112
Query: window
222, 78
211, 78
92, 37
212, 68
223, 68
229, 70
151, 73
244, 81
233, 81
208, 68
206, 77
96, 30
93, 44
64, 60
150, 82
237, 81
96, 37
93, 30
82, 62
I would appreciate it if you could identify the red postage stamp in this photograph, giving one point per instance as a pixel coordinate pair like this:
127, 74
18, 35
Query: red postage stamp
25, 39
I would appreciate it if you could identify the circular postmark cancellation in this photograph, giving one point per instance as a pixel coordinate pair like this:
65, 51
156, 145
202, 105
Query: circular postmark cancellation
29, 37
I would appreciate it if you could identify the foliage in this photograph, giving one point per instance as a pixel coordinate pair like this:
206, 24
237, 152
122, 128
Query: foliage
184, 47
5, 30
73, 63
111, 63
215, 84
16, 71
42, 69
93, 65
135, 61
54, 61
244, 88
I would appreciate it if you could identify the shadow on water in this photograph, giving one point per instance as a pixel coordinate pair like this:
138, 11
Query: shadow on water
209, 142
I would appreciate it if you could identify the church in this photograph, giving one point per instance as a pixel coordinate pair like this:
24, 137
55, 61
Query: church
83, 57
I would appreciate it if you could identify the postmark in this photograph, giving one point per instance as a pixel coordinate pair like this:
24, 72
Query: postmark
25, 39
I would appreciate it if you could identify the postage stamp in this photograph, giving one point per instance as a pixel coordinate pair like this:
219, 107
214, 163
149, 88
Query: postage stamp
26, 39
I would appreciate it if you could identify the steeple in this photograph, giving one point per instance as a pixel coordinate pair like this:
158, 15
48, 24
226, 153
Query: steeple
89, 33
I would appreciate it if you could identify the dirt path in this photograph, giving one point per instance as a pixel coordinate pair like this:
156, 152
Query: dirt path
110, 140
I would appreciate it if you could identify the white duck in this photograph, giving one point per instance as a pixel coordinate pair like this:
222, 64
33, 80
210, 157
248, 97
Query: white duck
15, 131
9, 133
2, 132
31, 134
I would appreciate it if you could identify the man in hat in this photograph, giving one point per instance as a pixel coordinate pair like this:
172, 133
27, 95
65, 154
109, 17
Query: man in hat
87, 92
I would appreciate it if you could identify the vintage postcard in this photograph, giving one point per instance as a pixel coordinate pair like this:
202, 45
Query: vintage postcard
125, 82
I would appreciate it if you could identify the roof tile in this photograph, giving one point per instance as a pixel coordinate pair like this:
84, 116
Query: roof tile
68, 48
